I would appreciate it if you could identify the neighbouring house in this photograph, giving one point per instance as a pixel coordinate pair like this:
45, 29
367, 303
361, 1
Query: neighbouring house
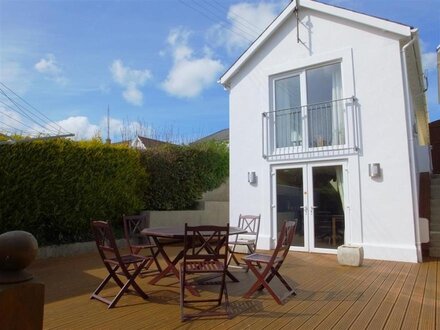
329, 126
220, 136
141, 142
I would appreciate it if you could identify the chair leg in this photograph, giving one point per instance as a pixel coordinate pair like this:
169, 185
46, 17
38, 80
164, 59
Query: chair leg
287, 286
259, 281
252, 249
233, 257
182, 296
154, 255
263, 280
111, 275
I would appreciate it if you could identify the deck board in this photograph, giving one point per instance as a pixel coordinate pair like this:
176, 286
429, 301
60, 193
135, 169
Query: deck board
427, 313
412, 315
384, 308
380, 294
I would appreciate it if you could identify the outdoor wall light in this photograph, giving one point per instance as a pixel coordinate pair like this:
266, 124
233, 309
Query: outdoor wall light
374, 170
252, 177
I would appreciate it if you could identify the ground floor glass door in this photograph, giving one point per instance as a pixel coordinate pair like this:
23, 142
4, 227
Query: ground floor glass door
313, 195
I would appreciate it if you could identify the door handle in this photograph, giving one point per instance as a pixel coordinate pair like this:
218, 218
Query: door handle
304, 208
314, 207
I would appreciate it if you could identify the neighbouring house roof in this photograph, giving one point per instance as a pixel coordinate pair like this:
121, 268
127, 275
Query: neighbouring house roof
141, 142
372, 21
222, 136
124, 143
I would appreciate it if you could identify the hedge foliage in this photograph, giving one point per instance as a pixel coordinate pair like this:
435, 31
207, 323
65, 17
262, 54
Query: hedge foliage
53, 188
179, 175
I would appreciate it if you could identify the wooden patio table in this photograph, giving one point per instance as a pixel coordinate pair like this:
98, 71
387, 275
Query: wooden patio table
177, 233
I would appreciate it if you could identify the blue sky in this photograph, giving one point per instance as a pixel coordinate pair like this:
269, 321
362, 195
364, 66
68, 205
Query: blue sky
155, 63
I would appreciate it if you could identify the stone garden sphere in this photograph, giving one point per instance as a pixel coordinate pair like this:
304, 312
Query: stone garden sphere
17, 250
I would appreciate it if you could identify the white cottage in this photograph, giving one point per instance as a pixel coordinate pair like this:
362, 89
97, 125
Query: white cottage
328, 125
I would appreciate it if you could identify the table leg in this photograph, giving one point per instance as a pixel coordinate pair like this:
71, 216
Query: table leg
171, 265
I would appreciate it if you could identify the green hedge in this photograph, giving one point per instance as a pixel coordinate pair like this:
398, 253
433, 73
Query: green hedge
53, 188
178, 175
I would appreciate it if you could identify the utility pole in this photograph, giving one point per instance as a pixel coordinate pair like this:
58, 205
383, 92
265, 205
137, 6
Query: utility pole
108, 141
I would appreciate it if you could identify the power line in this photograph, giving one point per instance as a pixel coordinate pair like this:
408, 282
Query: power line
247, 32
240, 19
51, 123
215, 20
16, 120
21, 110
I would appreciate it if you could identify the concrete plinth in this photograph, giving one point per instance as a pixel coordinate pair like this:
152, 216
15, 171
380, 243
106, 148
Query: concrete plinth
350, 255
22, 305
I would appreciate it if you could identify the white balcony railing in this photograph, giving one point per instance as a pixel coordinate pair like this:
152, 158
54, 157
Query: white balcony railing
316, 130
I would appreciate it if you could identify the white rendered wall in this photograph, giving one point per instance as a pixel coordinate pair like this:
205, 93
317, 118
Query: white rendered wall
379, 213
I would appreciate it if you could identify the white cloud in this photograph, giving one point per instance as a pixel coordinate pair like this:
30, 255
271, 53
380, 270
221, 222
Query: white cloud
116, 126
131, 80
49, 67
246, 22
189, 75
429, 61
80, 126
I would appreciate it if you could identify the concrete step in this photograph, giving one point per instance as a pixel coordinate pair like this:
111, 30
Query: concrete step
435, 207
435, 180
435, 218
434, 238
435, 192
434, 252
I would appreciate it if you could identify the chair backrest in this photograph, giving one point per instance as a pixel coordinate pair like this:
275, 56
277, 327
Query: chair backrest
105, 240
133, 224
204, 243
285, 240
250, 223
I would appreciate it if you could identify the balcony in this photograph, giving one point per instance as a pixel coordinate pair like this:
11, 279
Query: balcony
318, 130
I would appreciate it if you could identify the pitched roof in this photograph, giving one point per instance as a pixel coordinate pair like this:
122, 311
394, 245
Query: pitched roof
379, 23
148, 143
222, 135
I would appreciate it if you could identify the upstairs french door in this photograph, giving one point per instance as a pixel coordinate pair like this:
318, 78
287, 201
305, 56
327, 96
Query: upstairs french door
308, 109
313, 195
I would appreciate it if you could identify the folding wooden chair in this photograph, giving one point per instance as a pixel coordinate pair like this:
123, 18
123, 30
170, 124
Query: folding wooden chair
205, 252
250, 223
133, 224
273, 264
116, 264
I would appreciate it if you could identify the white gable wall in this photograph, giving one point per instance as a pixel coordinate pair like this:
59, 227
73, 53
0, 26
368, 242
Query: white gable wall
380, 213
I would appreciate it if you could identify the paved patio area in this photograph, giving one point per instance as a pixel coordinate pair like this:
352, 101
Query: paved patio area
378, 295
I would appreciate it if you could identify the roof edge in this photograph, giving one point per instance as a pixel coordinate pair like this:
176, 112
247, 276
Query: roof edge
379, 23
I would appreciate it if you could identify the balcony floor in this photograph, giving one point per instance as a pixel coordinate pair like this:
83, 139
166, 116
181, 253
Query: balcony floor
378, 295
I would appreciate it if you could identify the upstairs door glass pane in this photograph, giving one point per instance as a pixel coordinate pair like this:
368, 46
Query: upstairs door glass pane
325, 111
288, 119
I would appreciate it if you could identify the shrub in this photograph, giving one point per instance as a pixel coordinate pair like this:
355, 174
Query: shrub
179, 175
53, 188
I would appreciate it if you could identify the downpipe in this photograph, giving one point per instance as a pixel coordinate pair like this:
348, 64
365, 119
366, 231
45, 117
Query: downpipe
415, 197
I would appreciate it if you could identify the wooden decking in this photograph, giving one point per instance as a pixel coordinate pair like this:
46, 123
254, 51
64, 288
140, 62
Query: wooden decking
378, 295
